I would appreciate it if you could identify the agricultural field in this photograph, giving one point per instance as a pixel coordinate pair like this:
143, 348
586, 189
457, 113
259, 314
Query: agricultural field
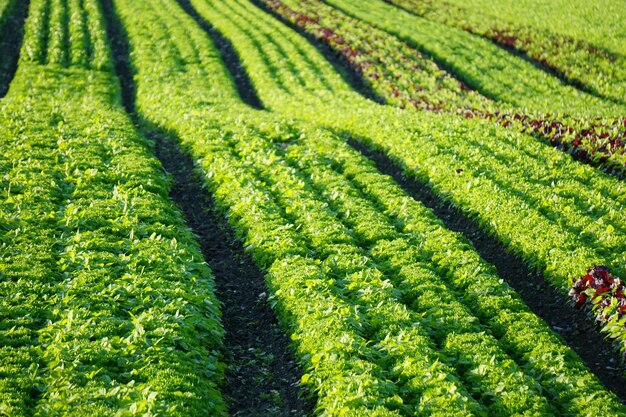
312, 208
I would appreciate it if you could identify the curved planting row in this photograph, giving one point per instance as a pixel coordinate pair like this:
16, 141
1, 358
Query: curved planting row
385, 321
584, 21
580, 61
560, 216
482, 65
324, 324
66, 33
106, 306
396, 71
405, 77
108, 309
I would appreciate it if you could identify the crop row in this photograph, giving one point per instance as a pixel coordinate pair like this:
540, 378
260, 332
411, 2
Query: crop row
396, 71
560, 216
480, 63
405, 77
589, 66
595, 140
106, 305
385, 321
579, 61
601, 27
390, 313
66, 33
522, 155
324, 325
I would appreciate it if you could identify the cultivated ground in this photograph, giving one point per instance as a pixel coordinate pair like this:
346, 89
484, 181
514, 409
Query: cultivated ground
312, 207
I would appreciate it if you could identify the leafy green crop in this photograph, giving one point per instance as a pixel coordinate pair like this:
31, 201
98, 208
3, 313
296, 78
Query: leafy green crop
363, 289
107, 307
397, 72
481, 64
403, 76
601, 23
560, 215
591, 65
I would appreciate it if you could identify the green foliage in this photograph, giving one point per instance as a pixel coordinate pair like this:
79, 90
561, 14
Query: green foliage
327, 321
403, 76
601, 24
592, 65
378, 299
552, 211
66, 33
481, 64
106, 305
444, 151
397, 72
108, 309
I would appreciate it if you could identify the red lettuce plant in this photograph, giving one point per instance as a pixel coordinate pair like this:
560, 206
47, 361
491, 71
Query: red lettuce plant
607, 294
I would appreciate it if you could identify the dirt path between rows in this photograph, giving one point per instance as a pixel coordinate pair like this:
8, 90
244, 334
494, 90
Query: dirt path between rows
262, 377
